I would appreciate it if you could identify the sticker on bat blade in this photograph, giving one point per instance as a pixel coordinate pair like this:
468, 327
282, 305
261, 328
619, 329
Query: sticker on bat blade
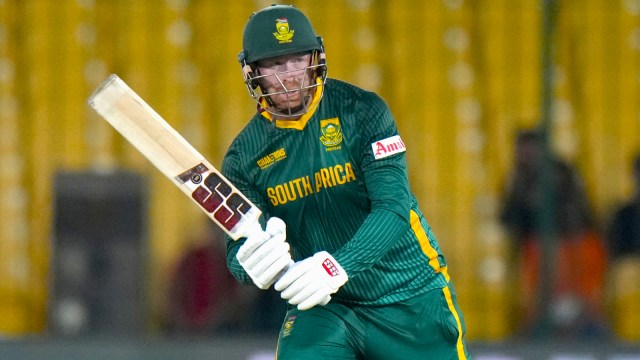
194, 174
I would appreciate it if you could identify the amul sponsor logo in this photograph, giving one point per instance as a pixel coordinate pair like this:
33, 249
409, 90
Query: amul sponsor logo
387, 147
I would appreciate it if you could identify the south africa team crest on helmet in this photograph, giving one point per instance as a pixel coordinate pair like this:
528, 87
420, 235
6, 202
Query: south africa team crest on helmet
283, 33
331, 132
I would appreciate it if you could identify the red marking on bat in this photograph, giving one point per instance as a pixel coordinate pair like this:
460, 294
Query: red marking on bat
226, 218
217, 197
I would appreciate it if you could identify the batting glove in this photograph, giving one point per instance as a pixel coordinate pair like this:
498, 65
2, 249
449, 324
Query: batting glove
265, 254
311, 282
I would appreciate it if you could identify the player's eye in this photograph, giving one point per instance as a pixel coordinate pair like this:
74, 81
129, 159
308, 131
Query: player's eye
269, 63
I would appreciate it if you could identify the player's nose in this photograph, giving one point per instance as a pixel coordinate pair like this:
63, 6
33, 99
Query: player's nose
293, 69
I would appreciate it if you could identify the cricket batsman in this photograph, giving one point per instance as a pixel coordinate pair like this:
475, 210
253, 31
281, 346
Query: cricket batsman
357, 261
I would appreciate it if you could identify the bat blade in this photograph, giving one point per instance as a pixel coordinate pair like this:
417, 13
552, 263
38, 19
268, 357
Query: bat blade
175, 157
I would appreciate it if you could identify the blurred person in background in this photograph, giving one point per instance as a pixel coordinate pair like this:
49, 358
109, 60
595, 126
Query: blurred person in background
204, 298
623, 278
363, 273
624, 230
574, 301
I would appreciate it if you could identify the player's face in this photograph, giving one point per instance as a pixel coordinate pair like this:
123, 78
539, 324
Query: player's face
286, 79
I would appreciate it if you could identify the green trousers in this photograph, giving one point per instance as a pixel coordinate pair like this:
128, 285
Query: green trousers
428, 326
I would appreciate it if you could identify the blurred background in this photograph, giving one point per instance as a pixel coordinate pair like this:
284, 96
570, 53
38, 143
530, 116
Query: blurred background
95, 242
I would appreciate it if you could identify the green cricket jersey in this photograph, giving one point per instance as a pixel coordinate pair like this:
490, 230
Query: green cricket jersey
338, 178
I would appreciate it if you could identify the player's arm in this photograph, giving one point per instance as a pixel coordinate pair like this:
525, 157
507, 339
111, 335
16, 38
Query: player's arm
262, 256
387, 184
312, 281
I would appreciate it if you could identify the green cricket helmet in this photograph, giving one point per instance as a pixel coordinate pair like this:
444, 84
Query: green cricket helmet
280, 30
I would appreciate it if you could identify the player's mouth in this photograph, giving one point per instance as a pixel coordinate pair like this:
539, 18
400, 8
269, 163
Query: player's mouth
289, 99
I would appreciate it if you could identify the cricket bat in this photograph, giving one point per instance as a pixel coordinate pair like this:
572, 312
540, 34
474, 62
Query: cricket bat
163, 146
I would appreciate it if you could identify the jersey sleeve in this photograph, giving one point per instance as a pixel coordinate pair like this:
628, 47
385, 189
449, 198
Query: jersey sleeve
387, 185
232, 169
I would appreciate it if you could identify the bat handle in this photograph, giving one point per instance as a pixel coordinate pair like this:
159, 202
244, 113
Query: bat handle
253, 228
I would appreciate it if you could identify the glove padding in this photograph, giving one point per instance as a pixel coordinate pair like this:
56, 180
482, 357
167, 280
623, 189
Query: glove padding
311, 282
265, 254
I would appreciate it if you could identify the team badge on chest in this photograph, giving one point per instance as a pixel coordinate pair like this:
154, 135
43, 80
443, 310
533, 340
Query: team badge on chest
331, 133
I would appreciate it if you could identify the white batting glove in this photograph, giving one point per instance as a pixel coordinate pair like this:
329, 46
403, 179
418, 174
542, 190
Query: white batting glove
311, 282
265, 254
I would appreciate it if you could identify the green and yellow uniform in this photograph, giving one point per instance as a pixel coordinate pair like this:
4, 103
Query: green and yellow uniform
337, 177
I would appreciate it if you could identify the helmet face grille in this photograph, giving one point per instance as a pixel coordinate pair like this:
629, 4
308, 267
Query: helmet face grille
278, 30
314, 77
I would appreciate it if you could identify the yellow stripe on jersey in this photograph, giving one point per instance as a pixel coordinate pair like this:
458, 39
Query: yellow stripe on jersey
425, 244
459, 344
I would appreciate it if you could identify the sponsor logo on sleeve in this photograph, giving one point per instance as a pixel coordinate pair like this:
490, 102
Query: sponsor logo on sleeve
387, 147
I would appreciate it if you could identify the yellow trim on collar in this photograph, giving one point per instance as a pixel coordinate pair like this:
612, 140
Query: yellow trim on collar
301, 122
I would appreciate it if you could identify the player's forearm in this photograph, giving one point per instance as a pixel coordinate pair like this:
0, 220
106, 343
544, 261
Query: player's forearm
380, 231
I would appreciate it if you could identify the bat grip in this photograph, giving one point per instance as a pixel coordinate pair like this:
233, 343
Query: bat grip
253, 229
